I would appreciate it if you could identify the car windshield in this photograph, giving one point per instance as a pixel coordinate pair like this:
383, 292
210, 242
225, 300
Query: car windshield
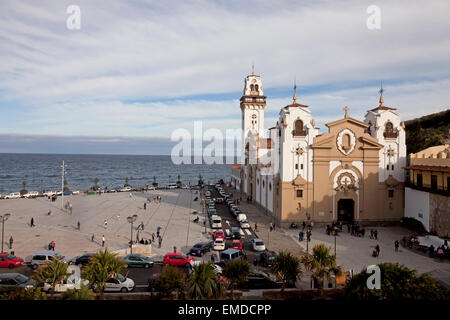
198, 245
59, 256
121, 278
219, 240
259, 243
10, 257
20, 278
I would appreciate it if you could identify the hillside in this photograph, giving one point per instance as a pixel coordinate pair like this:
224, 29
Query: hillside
427, 131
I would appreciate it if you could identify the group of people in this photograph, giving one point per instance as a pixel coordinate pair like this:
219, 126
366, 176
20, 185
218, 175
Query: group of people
51, 245
442, 252
334, 228
356, 230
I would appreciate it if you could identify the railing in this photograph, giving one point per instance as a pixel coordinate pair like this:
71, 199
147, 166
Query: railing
428, 188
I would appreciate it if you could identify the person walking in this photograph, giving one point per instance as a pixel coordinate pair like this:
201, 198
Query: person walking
158, 230
105, 223
271, 226
153, 237
92, 238
32, 222
396, 245
256, 227
159, 242
375, 234
142, 225
11, 240
137, 237
103, 240
78, 225
255, 264
145, 206
377, 249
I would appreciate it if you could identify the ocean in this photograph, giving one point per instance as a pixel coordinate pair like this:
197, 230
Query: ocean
43, 171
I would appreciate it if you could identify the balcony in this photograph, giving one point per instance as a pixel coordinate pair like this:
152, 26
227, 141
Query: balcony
299, 133
428, 188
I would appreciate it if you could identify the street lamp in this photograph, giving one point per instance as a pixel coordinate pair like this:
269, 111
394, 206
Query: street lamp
131, 219
4, 218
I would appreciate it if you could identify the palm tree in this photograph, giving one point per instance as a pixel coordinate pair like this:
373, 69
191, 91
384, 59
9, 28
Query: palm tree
23, 191
287, 267
103, 266
54, 273
84, 293
321, 264
236, 272
126, 182
155, 184
202, 282
96, 180
171, 279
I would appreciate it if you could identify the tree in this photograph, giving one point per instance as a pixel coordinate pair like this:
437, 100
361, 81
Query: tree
34, 293
200, 180
322, 264
65, 186
126, 182
53, 273
24, 190
103, 266
95, 187
236, 272
397, 283
287, 267
202, 282
84, 293
171, 279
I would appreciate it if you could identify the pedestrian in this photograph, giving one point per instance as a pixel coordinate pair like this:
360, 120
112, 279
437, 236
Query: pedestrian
303, 225
78, 225
174, 249
49, 212
105, 224
103, 240
145, 206
32, 222
375, 234
92, 238
131, 196
137, 237
142, 225
256, 227
158, 230
153, 237
377, 249
271, 226
396, 244
159, 242
11, 240
255, 264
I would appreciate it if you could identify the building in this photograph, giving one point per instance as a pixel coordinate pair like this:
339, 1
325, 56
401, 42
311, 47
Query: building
353, 172
427, 189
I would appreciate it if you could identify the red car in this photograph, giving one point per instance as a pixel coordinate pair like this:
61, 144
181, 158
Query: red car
219, 235
236, 244
177, 259
10, 261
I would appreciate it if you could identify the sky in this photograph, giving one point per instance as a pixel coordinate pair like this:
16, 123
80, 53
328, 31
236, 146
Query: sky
136, 71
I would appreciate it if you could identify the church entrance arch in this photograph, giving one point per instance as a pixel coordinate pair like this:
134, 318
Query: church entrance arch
346, 210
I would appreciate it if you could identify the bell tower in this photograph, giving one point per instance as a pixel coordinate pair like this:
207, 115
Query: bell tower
253, 103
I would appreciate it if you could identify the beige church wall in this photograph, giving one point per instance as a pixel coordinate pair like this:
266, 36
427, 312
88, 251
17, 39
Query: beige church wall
290, 211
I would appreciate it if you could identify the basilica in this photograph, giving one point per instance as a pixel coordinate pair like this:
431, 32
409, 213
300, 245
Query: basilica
352, 172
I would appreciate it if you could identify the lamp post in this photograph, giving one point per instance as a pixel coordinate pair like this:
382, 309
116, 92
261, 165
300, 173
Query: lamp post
4, 218
335, 234
131, 219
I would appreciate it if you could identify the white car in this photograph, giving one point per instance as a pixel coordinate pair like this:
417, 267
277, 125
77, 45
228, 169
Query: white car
126, 189
31, 194
14, 195
49, 193
244, 224
121, 284
219, 244
257, 245
74, 281
76, 192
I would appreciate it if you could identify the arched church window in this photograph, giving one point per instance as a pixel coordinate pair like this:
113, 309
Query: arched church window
252, 88
247, 149
389, 130
298, 128
256, 87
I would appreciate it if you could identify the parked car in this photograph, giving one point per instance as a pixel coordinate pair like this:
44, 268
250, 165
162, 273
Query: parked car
235, 233
230, 255
257, 245
199, 249
219, 244
218, 234
40, 258
266, 258
236, 244
244, 224
177, 259
14, 195
83, 260
241, 216
138, 260
126, 189
31, 194
216, 222
219, 200
259, 281
119, 284
9, 261
14, 281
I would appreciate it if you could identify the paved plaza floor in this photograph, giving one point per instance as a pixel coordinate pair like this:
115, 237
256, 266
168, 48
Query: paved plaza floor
174, 215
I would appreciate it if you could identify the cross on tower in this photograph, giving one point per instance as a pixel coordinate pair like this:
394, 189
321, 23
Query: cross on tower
346, 109
391, 152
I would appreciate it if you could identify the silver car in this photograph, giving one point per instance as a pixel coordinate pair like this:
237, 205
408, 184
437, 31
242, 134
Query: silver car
40, 258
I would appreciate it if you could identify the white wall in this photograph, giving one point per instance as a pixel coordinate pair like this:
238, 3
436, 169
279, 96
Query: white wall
418, 202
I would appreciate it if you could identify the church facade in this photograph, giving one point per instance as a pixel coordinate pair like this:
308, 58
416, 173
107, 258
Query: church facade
353, 172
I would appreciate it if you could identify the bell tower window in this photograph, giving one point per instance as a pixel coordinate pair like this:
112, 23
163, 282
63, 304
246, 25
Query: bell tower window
298, 128
389, 132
